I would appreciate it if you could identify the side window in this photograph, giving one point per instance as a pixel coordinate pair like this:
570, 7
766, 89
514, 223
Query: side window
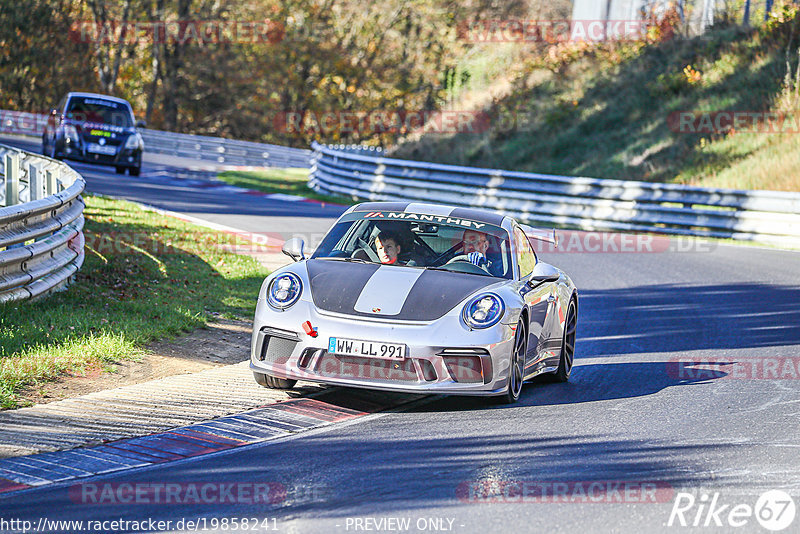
526, 257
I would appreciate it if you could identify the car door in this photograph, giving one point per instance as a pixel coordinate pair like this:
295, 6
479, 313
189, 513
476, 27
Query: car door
552, 315
535, 300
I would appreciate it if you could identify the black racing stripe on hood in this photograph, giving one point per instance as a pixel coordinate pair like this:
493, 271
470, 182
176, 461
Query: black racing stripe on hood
437, 292
336, 285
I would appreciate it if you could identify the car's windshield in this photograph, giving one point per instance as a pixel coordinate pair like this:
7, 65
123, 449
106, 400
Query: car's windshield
99, 110
416, 240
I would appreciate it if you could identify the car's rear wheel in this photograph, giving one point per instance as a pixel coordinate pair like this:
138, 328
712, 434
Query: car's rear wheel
567, 344
273, 382
120, 170
517, 370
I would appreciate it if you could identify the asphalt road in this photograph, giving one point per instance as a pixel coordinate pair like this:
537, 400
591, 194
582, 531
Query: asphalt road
686, 381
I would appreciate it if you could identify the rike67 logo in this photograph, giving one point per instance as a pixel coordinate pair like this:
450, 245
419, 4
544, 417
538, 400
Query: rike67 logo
774, 510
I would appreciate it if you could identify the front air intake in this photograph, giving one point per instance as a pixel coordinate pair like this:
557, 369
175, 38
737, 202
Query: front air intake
275, 347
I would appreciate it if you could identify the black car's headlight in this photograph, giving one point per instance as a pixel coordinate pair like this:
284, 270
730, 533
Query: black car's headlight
284, 290
483, 311
71, 133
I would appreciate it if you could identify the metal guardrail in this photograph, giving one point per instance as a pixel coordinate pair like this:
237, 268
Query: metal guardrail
199, 147
584, 203
41, 224
224, 151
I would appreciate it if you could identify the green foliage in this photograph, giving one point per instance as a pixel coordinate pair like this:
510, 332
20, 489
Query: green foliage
324, 56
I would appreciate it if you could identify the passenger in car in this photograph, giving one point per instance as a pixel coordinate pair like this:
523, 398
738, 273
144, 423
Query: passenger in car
387, 244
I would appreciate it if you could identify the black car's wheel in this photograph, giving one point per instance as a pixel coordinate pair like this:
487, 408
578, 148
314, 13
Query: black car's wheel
517, 371
567, 344
120, 170
134, 171
273, 382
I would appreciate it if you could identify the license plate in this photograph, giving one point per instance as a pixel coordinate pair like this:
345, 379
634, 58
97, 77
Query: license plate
367, 349
101, 149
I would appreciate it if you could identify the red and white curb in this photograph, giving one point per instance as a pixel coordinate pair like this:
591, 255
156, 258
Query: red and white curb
253, 426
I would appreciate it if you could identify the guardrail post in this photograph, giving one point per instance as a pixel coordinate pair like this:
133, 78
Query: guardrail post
50, 183
12, 179
34, 182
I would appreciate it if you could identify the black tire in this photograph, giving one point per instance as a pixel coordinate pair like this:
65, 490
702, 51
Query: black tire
273, 382
120, 170
517, 372
135, 171
567, 344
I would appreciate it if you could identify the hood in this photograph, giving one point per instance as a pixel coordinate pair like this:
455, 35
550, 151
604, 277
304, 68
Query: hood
387, 291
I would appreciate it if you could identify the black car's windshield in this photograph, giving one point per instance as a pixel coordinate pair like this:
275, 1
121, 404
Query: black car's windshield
417, 240
99, 110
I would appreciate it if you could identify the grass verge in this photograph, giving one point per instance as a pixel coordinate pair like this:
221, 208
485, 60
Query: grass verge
289, 181
146, 276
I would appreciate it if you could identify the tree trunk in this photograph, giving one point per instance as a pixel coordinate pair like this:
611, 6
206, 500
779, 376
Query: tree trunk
155, 62
173, 65
108, 68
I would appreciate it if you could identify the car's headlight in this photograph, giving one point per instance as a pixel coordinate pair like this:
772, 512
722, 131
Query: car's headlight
70, 132
483, 311
134, 141
284, 291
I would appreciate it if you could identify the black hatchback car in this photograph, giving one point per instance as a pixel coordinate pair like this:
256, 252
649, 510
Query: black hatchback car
95, 129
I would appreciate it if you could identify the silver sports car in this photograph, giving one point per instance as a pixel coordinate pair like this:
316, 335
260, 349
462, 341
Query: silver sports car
417, 298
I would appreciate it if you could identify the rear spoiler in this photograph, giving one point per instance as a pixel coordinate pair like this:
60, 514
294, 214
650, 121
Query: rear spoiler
548, 236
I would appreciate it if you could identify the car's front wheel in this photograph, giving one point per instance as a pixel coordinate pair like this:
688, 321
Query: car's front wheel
517, 370
120, 170
273, 382
134, 171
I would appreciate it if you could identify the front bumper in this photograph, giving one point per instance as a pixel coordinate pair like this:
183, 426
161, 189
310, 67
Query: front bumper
443, 356
123, 158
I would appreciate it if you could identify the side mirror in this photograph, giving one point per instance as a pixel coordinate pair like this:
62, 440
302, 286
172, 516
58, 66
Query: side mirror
141, 123
543, 272
294, 248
